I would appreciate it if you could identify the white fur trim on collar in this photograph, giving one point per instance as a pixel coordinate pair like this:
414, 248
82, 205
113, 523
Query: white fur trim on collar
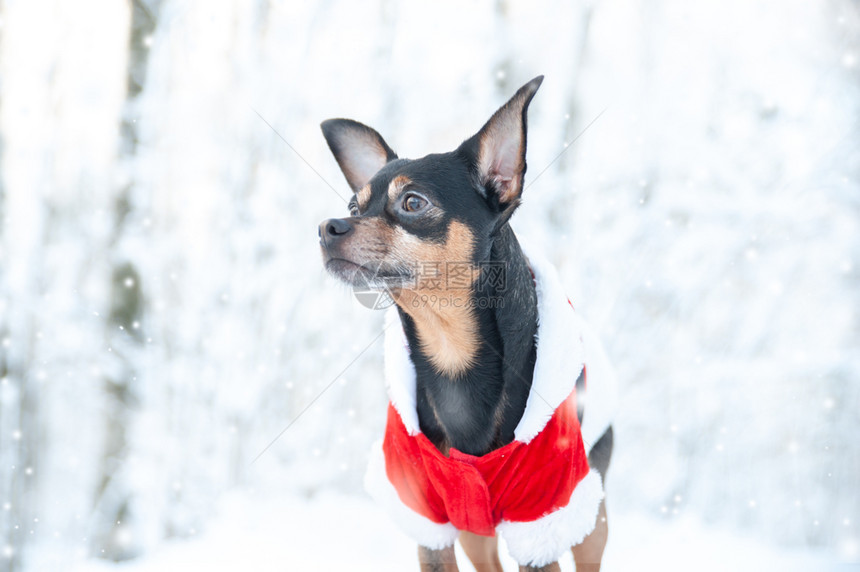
558, 362
544, 540
400, 372
560, 354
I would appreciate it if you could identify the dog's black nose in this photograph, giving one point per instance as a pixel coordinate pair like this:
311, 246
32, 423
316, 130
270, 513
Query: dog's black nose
334, 228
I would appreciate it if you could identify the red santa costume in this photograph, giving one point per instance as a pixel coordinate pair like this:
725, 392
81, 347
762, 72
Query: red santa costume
538, 491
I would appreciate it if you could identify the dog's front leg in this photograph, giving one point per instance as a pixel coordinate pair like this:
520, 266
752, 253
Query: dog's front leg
589, 553
441, 560
483, 551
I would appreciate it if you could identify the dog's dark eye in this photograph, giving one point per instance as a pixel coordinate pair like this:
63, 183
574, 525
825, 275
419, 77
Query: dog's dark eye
413, 203
353, 209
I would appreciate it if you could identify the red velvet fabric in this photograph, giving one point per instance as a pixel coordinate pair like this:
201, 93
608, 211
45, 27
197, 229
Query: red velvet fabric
519, 482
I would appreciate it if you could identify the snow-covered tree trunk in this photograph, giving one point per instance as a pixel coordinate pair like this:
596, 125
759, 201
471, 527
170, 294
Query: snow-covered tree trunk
113, 534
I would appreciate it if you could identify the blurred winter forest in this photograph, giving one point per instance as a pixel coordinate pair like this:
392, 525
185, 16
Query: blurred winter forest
170, 339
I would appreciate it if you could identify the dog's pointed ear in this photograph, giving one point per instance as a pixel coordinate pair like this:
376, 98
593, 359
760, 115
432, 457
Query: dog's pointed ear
498, 150
359, 150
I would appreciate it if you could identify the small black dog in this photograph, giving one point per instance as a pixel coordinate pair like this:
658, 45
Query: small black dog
484, 433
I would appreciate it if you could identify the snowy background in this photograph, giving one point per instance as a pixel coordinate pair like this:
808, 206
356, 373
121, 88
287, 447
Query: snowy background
182, 387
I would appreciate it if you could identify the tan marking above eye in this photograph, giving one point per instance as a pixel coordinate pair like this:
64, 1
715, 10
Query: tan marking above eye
396, 186
362, 197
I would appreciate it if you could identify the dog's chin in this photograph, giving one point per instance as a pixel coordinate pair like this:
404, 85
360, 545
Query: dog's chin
359, 276
347, 271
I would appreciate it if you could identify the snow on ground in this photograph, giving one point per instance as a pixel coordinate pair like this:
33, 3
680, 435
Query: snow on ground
341, 532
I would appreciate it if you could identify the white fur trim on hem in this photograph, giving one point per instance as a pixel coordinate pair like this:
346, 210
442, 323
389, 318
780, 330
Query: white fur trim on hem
544, 540
420, 528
